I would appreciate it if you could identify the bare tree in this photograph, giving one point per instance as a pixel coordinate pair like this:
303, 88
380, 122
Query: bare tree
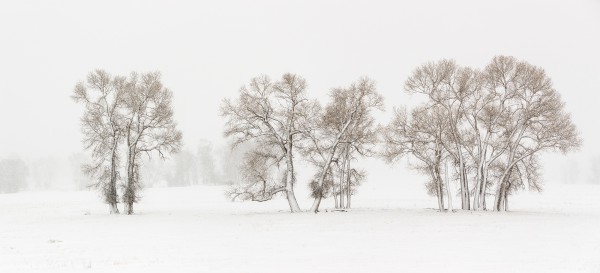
420, 136
149, 127
349, 178
361, 140
448, 87
102, 96
273, 115
536, 122
341, 180
346, 121
485, 112
496, 121
448, 188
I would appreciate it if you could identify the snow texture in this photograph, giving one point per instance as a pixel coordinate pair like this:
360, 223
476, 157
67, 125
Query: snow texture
393, 229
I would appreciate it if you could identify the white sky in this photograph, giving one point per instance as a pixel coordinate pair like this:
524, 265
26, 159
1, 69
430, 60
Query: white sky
206, 51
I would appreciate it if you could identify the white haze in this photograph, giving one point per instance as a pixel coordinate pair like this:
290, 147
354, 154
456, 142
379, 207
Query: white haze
207, 50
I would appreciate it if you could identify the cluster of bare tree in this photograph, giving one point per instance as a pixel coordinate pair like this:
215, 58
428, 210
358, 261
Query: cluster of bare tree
283, 123
125, 117
482, 128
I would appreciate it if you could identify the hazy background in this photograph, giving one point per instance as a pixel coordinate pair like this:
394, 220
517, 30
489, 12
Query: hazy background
206, 51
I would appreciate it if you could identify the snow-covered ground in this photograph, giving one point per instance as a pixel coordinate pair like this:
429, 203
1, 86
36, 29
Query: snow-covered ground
393, 228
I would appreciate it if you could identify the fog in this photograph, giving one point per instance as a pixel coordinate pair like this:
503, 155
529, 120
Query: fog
206, 51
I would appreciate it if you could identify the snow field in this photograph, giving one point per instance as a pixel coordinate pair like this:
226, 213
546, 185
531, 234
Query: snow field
391, 229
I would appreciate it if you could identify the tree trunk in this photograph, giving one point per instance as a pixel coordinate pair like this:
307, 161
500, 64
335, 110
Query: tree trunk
484, 189
478, 184
129, 191
438, 189
499, 197
342, 198
131, 187
440, 198
348, 176
499, 201
112, 197
503, 189
315, 206
291, 179
128, 188
438, 179
110, 190
113, 208
448, 190
505, 197
343, 174
484, 205
482, 185
336, 194
289, 190
348, 198
464, 183
467, 201
129, 208
476, 191
317, 202
506, 201
481, 172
